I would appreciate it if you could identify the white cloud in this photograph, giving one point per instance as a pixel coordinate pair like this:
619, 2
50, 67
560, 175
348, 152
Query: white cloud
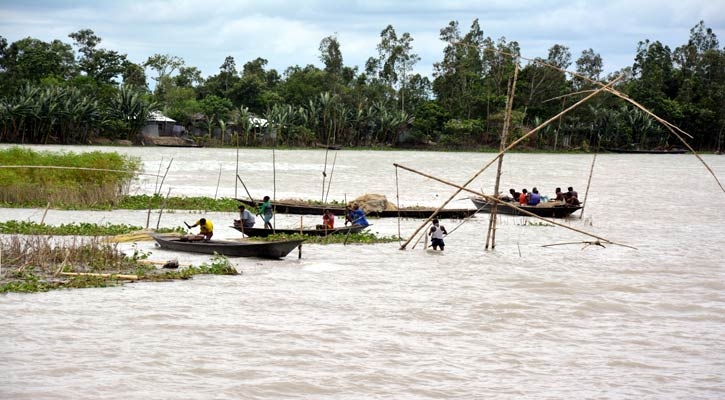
288, 33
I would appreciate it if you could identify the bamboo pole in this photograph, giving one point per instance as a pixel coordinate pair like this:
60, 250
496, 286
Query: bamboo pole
239, 178
589, 181
236, 169
157, 190
299, 248
504, 134
118, 276
521, 210
161, 210
324, 170
329, 182
397, 203
42, 220
274, 183
509, 147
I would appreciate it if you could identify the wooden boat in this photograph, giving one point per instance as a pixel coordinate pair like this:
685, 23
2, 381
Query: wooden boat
262, 232
636, 151
313, 209
272, 249
178, 145
545, 210
328, 146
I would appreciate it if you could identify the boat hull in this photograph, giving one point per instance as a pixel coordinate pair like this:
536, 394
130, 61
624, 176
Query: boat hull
635, 151
545, 211
272, 249
298, 209
262, 232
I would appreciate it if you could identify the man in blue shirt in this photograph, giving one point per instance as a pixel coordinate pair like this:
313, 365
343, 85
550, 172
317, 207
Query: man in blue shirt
357, 216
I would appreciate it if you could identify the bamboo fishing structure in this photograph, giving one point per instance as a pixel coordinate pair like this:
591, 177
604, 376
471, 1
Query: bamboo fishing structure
589, 181
610, 89
509, 147
504, 134
501, 202
329, 182
157, 189
163, 206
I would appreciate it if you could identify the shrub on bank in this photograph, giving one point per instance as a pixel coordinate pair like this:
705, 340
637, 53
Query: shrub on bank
70, 179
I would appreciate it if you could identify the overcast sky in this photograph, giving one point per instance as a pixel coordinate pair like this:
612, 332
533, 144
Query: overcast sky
288, 32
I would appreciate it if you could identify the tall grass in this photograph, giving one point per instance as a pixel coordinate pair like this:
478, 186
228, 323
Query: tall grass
34, 178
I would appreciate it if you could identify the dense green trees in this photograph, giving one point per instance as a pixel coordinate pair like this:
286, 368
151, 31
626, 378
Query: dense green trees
51, 94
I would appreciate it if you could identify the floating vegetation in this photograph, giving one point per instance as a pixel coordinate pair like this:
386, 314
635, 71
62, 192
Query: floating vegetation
357, 238
143, 202
38, 263
536, 223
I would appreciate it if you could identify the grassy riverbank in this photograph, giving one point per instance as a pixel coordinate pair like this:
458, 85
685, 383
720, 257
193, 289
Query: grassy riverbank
64, 180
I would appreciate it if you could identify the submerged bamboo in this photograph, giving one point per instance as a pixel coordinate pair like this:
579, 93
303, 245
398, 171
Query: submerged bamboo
118, 276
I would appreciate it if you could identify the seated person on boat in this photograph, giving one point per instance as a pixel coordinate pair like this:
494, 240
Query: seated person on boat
534, 197
357, 216
570, 199
523, 197
328, 220
246, 219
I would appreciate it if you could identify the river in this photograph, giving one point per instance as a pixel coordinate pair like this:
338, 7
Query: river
644, 319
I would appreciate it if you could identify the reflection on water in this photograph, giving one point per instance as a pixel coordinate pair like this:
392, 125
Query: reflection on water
362, 321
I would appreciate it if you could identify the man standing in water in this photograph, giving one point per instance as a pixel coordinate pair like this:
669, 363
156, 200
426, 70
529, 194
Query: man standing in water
436, 233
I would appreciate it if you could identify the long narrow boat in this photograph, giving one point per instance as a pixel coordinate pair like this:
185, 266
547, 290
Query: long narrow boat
262, 232
545, 210
271, 249
653, 151
314, 209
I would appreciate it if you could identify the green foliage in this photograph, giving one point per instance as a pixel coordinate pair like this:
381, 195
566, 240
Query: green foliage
364, 237
128, 112
75, 229
83, 178
220, 265
26, 282
47, 95
143, 202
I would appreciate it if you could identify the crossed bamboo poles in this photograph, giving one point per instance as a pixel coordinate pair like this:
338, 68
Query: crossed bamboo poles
463, 187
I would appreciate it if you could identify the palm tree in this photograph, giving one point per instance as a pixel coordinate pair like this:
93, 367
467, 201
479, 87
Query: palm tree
128, 112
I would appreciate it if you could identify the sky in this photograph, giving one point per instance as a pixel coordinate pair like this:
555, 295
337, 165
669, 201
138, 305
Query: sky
288, 32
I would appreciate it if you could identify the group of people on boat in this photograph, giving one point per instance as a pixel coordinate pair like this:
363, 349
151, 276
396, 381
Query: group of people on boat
534, 198
354, 216
247, 219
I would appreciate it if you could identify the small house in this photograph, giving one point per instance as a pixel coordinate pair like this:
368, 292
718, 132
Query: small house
157, 124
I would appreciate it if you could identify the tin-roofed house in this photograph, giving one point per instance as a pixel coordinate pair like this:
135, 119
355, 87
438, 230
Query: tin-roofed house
157, 124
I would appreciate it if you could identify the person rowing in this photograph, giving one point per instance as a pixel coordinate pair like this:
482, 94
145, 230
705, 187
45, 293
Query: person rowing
357, 216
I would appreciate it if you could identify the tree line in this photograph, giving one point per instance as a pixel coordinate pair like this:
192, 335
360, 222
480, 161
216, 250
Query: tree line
56, 92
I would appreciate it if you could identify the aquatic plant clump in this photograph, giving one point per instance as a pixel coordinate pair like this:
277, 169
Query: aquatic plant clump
38, 178
31, 264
